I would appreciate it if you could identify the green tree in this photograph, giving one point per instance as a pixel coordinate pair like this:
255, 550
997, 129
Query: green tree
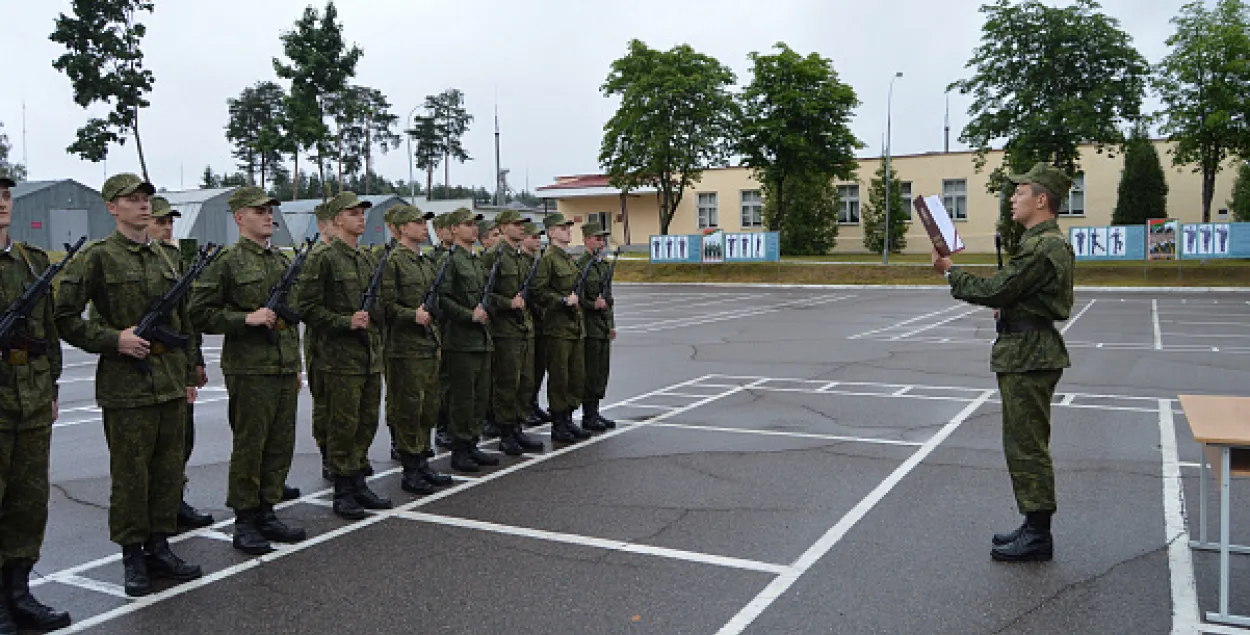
104, 64
1204, 82
676, 118
428, 148
450, 121
810, 226
1239, 205
209, 180
1047, 80
15, 171
796, 120
257, 128
362, 120
320, 66
1143, 191
873, 215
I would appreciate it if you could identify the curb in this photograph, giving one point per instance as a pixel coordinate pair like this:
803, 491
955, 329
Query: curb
910, 287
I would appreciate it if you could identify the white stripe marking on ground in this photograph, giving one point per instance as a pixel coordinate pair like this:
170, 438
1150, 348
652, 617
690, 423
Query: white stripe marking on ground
905, 322
1078, 316
1185, 616
1154, 313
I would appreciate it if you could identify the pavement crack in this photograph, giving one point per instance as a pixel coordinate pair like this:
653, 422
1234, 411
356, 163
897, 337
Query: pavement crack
74, 499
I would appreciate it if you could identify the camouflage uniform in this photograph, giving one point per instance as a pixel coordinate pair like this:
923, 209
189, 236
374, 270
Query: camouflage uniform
562, 329
315, 384
512, 332
1031, 292
27, 390
467, 345
600, 325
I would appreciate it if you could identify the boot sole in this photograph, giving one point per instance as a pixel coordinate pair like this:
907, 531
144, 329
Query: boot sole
138, 593
31, 625
1029, 557
167, 575
351, 515
292, 539
254, 551
418, 490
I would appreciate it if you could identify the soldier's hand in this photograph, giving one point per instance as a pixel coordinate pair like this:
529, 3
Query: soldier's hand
360, 320
261, 317
995, 314
600, 303
56, 410
423, 317
480, 316
571, 300
201, 375
940, 263
192, 393
518, 302
132, 345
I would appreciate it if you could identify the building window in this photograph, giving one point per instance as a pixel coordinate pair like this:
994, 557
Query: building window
905, 186
848, 204
955, 198
752, 209
603, 218
707, 210
1075, 204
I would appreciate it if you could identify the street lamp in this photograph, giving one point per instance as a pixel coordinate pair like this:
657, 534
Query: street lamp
412, 184
885, 249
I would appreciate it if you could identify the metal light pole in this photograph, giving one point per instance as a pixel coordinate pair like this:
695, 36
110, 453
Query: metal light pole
412, 184
889, 103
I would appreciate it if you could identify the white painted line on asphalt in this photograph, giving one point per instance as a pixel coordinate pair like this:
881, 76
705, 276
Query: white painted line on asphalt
905, 322
935, 324
1154, 313
1067, 399
730, 315
784, 433
1185, 323
246, 565
100, 417
650, 406
779, 586
597, 543
1067, 326
1209, 335
90, 584
217, 535
901, 391
1219, 629
684, 395
1185, 615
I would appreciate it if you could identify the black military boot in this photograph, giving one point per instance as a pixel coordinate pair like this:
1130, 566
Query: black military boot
559, 431
590, 416
326, 474
573, 428
272, 527
190, 518
412, 481
482, 458
7, 627
462, 459
433, 478
345, 505
247, 537
603, 421
137, 581
443, 439
507, 441
367, 470
537, 412
395, 455
26, 611
1033, 542
290, 493
164, 563
367, 497
490, 428
527, 443
1009, 537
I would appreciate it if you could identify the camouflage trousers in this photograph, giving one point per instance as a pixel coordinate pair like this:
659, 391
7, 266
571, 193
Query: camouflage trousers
351, 403
468, 393
146, 454
444, 400
23, 491
319, 413
512, 379
262, 418
1026, 436
598, 367
412, 402
540, 366
566, 373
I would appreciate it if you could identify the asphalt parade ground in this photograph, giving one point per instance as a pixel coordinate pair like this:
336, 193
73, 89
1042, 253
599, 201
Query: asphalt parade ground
788, 461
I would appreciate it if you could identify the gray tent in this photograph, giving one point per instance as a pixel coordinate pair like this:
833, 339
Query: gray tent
205, 216
302, 223
51, 213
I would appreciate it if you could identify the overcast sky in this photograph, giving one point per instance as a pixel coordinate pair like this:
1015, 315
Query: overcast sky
543, 60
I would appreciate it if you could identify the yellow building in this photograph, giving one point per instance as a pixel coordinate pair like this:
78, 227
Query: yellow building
729, 198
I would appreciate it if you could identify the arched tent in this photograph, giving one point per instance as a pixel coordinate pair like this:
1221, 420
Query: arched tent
302, 223
51, 213
205, 216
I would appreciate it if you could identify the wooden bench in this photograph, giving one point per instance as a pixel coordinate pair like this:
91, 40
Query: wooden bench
1222, 426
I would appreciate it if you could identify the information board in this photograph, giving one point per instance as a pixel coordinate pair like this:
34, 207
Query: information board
1109, 242
716, 247
1202, 241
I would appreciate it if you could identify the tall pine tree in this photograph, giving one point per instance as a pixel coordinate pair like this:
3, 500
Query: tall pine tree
1143, 192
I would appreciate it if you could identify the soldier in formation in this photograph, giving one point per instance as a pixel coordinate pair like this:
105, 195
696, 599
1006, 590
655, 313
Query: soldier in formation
600, 325
563, 330
1031, 293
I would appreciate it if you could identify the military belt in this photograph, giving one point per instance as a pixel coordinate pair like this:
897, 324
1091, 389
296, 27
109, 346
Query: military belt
1024, 325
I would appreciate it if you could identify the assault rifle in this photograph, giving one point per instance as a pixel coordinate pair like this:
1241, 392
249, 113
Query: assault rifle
151, 326
607, 280
490, 280
581, 279
430, 302
525, 286
998, 250
276, 301
17, 345
369, 298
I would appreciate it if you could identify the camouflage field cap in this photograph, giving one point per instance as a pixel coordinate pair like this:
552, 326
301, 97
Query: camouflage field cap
125, 185
345, 200
1049, 176
5, 181
533, 230
161, 208
554, 220
484, 226
508, 217
460, 216
594, 228
404, 214
250, 197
